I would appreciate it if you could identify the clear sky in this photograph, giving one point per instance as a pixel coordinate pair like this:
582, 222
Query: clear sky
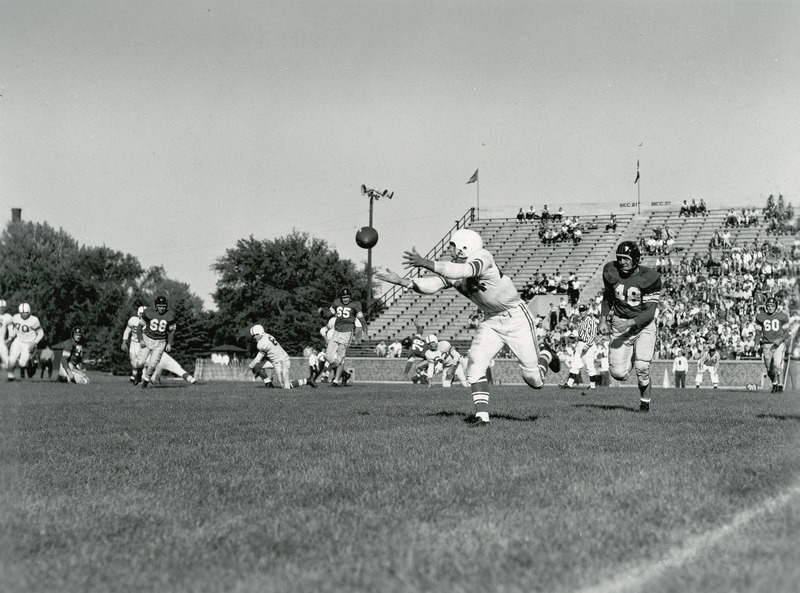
169, 129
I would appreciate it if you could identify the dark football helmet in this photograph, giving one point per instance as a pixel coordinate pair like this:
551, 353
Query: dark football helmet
161, 304
628, 251
77, 333
771, 304
345, 295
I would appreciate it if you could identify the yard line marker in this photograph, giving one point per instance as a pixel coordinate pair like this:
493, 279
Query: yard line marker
637, 579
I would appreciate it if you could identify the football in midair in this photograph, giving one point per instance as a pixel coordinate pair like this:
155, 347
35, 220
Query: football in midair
366, 237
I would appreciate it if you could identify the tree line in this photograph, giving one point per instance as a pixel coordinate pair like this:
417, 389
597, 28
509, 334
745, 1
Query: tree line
282, 284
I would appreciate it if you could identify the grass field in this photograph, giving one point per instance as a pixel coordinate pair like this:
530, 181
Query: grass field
233, 487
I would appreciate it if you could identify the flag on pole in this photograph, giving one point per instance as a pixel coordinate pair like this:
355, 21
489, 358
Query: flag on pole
474, 177
637, 172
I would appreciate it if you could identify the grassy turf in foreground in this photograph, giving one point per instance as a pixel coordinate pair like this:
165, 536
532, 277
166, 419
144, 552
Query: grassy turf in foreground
232, 487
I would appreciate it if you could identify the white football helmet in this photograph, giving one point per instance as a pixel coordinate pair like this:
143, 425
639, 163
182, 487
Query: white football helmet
432, 339
3, 304
24, 308
466, 243
257, 331
140, 310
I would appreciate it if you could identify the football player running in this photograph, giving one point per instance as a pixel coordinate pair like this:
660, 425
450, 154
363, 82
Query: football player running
507, 320
772, 327
5, 333
346, 311
133, 349
155, 333
270, 350
26, 332
627, 313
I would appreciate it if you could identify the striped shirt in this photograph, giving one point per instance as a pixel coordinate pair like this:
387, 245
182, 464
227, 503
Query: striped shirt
587, 329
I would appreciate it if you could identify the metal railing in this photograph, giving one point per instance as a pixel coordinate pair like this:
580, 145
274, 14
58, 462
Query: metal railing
390, 295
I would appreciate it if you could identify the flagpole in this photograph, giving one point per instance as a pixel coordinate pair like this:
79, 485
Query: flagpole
478, 189
639, 196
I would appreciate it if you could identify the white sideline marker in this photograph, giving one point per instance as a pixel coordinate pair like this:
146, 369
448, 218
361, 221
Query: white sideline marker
636, 580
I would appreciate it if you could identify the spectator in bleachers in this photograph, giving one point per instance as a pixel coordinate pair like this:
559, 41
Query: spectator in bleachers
701, 207
520, 216
395, 349
381, 349
545, 213
684, 209
553, 317
573, 289
531, 214
612, 224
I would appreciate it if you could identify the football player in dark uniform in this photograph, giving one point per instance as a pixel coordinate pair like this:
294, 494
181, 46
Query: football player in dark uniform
71, 369
346, 311
155, 333
630, 299
773, 333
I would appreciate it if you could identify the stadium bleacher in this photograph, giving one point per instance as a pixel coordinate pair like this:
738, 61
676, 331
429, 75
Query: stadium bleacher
520, 253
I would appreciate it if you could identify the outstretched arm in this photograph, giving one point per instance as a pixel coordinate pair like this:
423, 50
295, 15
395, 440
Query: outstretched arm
428, 285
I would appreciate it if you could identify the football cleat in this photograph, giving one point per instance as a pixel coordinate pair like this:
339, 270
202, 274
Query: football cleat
548, 354
269, 385
345, 377
334, 384
145, 382
476, 420
644, 406
311, 383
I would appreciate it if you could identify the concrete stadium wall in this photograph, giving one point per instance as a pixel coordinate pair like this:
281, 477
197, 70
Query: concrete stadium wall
732, 374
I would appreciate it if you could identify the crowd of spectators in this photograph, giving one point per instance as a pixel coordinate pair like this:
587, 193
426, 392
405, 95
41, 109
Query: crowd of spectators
746, 217
714, 300
553, 284
544, 216
660, 242
693, 209
779, 217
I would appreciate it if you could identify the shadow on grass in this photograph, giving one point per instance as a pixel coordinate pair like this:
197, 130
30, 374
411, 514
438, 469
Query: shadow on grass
779, 417
468, 417
608, 407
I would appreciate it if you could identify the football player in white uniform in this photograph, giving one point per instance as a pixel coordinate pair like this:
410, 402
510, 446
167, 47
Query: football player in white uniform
269, 349
133, 349
448, 361
167, 363
27, 333
507, 320
5, 333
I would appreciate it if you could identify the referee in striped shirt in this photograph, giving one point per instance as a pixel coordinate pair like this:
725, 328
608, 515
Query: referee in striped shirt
585, 351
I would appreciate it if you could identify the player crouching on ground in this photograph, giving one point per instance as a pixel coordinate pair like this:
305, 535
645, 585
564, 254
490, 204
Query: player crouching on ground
507, 320
445, 359
628, 311
269, 349
71, 369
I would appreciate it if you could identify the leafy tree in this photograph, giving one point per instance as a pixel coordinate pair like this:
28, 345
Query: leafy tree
281, 284
94, 287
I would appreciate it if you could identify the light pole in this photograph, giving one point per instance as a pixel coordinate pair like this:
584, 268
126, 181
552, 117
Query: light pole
367, 237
